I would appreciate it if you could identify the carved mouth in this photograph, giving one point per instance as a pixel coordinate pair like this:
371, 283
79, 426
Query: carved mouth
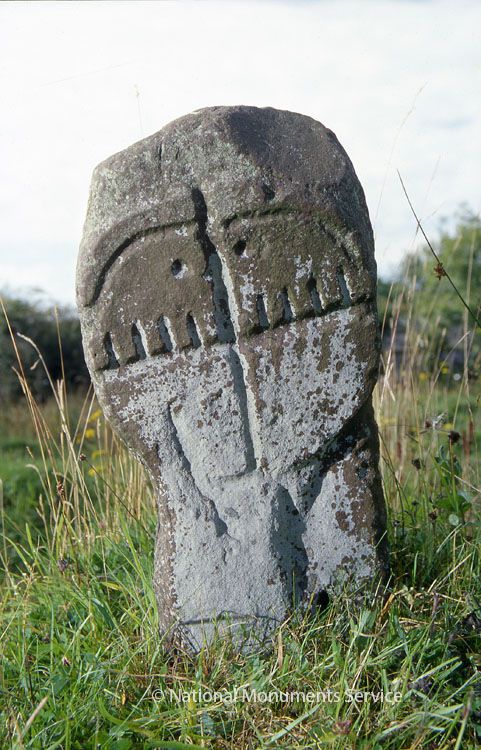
168, 347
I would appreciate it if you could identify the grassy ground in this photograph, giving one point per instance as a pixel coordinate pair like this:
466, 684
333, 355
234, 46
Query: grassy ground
82, 665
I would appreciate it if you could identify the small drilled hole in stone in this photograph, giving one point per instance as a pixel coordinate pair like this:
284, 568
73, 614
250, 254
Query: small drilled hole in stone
177, 268
240, 247
269, 193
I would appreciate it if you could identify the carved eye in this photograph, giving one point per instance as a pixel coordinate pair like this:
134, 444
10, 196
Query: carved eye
239, 247
178, 269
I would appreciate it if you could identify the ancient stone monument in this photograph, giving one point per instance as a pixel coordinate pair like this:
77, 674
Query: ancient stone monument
226, 288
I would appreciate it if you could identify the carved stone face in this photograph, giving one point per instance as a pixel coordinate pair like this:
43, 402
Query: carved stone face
231, 333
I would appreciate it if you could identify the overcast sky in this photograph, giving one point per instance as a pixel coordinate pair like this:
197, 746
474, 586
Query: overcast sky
399, 82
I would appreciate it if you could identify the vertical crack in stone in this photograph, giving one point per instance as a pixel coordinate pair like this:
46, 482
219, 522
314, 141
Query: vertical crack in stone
227, 315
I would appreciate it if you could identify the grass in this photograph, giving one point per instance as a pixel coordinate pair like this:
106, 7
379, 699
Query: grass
83, 666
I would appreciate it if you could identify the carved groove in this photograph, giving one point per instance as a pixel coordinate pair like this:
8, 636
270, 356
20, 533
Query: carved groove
164, 334
138, 343
112, 361
193, 332
211, 511
223, 320
346, 294
262, 313
314, 295
241, 390
287, 314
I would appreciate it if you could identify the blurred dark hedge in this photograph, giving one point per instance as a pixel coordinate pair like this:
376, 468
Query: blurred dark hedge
46, 325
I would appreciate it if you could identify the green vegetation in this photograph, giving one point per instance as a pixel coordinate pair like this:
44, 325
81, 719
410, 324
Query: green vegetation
422, 303
460, 256
82, 663
46, 325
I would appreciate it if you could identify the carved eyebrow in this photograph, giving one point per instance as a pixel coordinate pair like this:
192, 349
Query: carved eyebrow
259, 213
263, 212
334, 231
120, 249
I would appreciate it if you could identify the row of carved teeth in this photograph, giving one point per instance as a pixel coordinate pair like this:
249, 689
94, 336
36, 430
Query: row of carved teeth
167, 340
318, 306
140, 345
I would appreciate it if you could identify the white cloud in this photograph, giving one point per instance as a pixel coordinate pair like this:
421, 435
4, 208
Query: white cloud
398, 81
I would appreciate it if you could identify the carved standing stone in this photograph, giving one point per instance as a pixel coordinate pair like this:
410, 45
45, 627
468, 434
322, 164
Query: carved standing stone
226, 288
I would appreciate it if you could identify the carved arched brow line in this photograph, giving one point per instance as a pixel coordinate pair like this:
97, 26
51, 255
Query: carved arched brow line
334, 232
331, 228
126, 244
258, 213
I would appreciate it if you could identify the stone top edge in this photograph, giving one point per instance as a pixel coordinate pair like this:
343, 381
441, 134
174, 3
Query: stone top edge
238, 158
213, 114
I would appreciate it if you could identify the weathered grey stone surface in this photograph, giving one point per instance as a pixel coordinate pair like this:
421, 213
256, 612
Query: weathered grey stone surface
226, 287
